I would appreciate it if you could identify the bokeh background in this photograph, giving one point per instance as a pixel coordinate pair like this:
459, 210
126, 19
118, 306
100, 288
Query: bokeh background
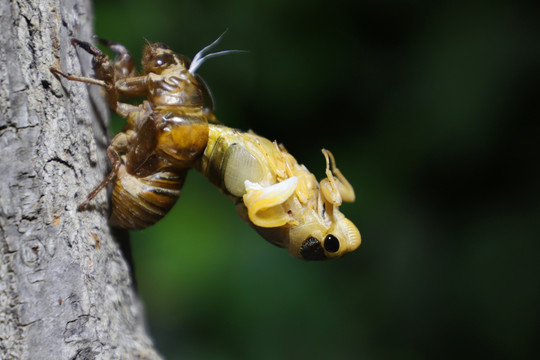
431, 109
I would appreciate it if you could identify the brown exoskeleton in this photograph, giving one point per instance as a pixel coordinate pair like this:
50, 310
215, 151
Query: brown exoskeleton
162, 137
175, 130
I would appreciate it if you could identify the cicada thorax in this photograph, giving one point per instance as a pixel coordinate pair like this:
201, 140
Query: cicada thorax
182, 106
181, 137
236, 161
231, 158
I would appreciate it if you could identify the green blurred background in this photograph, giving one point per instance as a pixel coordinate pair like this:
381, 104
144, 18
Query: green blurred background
431, 109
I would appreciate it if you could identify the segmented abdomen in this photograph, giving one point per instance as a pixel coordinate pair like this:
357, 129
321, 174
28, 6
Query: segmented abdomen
139, 202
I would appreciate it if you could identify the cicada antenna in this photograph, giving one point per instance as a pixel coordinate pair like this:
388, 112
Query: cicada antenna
200, 57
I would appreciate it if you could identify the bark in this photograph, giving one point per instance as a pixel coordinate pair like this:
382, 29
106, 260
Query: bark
65, 287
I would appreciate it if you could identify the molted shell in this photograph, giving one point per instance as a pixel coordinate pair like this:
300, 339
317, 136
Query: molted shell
139, 202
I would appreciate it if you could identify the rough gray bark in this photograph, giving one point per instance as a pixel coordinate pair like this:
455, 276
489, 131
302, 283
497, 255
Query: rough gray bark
65, 288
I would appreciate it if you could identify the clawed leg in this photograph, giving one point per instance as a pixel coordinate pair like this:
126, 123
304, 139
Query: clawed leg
89, 48
103, 68
136, 115
116, 161
83, 79
104, 72
123, 63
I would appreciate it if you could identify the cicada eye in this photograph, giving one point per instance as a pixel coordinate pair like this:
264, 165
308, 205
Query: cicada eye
331, 243
311, 249
164, 59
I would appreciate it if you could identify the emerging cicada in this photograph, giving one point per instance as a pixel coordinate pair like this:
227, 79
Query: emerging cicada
175, 130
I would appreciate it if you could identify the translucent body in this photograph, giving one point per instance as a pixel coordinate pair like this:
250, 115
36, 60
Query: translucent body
280, 198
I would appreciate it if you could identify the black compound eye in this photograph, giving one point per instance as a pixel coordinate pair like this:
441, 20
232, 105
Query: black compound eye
331, 243
164, 59
312, 250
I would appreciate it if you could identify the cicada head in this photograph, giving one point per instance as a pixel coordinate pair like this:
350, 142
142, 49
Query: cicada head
315, 240
158, 58
318, 233
301, 214
321, 239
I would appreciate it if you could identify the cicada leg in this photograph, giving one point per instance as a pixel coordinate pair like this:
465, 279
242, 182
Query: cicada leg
83, 79
123, 63
135, 115
104, 71
336, 188
116, 161
102, 65
263, 204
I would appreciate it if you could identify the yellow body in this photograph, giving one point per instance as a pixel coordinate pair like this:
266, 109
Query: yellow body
280, 198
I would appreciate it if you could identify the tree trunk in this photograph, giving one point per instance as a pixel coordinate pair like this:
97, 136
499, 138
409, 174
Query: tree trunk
65, 287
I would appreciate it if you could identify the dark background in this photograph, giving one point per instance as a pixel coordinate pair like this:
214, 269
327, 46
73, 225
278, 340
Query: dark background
431, 110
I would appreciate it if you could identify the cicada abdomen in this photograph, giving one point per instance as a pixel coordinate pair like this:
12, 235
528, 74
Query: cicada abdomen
139, 202
145, 185
280, 198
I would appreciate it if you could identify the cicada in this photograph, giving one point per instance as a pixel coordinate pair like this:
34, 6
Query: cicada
175, 130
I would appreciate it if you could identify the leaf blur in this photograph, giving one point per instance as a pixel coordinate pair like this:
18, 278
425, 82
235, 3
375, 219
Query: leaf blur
431, 109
